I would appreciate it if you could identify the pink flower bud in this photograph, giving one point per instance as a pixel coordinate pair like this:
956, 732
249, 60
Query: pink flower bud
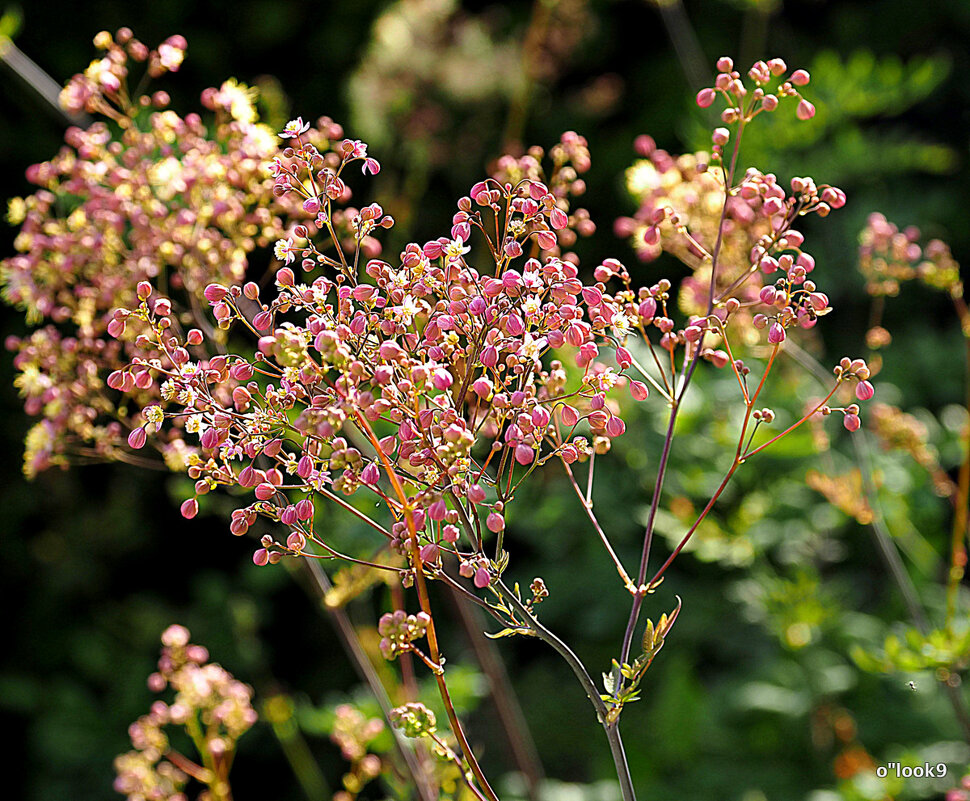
489, 356
261, 557
163, 307
482, 579
370, 474
144, 290
719, 358
296, 541
624, 358
442, 379
495, 522
558, 218
639, 390
725, 64
575, 335
546, 239
705, 97
851, 422
524, 454
648, 309
263, 321
450, 534
475, 493
285, 277
137, 439
429, 552
805, 110
242, 372
190, 508
116, 328
864, 391
438, 510
800, 77
482, 387
776, 334
304, 509
592, 296
265, 491
615, 427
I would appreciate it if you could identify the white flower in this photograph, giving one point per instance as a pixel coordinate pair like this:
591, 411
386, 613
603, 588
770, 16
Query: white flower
621, 324
531, 306
153, 414
531, 348
455, 249
407, 310
532, 279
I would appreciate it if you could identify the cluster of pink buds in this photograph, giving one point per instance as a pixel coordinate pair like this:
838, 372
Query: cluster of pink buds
858, 371
426, 372
682, 205
745, 103
98, 88
168, 200
210, 705
398, 630
889, 256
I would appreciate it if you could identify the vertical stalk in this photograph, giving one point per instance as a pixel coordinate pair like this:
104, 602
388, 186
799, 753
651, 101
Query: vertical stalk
674, 408
347, 634
506, 702
420, 584
612, 730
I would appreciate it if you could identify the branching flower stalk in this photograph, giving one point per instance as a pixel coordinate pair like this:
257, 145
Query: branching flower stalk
742, 107
434, 384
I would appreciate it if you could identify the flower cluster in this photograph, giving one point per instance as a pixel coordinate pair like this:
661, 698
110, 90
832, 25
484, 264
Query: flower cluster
686, 210
142, 195
414, 719
398, 630
353, 733
398, 372
210, 705
888, 257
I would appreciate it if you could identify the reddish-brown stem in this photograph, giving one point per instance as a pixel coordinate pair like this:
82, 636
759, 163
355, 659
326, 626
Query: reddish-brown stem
420, 585
790, 428
588, 508
674, 408
958, 550
507, 704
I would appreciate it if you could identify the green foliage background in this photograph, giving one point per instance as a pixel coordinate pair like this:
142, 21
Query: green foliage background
96, 561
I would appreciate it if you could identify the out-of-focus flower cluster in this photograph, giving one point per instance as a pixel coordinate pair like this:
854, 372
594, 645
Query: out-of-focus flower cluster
888, 257
683, 210
211, 706
897, 430
353, 733
428, 57
142, 195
